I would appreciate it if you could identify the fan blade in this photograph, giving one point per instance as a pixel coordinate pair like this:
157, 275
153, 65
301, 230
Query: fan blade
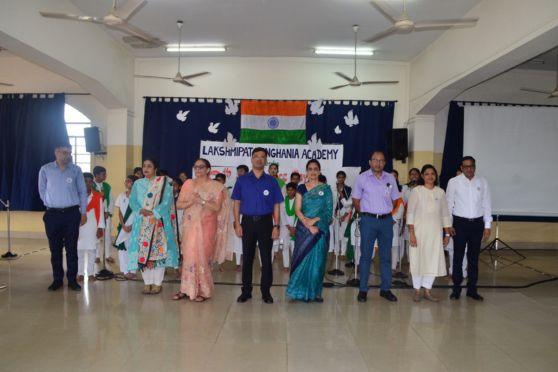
188, 77
380, 82
182, 81
138, 43
153, 77
135, 31
445, 23
342, 75
126, 10
535, 90
382, 7
6, 84
71, 17
340, 86
381, 35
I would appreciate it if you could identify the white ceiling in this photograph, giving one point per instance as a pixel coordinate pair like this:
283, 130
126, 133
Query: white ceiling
273, 28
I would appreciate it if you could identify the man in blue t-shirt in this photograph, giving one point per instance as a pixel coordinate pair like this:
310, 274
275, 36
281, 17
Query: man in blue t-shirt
257, 197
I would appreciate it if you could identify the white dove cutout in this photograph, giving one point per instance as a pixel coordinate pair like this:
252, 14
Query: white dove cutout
213, 127
337, 130
230, 141
182, 115
317, 107
232, 106
351, 119
314, 142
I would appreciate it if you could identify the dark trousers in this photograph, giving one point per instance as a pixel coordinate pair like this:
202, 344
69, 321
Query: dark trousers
62, 229
467, 233
257, 230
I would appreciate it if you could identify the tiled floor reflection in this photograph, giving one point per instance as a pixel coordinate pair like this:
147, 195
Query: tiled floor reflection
111, 326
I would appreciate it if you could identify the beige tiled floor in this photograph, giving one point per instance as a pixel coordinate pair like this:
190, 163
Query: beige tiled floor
112, 326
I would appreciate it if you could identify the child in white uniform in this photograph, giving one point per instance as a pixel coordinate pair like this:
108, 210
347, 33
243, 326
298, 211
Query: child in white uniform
126, 218
91, 231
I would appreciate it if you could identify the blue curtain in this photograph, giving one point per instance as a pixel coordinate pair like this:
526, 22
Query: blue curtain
173, 137
30, 128
373, 131
453, 146
173, 129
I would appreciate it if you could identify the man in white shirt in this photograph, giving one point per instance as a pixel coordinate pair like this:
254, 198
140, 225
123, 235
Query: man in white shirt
470, 207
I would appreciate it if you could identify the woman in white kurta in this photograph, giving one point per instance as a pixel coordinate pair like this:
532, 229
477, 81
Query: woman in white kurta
427, 216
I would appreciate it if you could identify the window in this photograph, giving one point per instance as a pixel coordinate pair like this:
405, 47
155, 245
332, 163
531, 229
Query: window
75, 123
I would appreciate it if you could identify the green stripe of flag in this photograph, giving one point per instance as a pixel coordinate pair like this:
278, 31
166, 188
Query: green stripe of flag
273, 136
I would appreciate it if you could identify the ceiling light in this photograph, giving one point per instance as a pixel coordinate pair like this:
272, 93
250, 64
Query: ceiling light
346, 51
196, 48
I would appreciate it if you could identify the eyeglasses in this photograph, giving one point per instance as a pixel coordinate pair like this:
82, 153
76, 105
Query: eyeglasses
200, 166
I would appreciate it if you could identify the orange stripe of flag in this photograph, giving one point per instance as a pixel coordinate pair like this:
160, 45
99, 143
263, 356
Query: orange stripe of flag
273, 108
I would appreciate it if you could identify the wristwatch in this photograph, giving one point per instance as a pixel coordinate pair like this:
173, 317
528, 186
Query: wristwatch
275, 226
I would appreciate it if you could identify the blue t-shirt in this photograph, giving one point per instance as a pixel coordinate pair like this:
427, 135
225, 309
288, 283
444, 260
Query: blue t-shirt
257, 195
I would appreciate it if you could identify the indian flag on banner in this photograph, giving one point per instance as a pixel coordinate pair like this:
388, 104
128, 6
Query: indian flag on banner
273, 122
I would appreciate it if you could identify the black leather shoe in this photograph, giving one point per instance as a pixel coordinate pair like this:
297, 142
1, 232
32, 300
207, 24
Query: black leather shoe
319, 299
74, 287
349, 265
54, 286
243, 298
362, 296
455, 295
267, 299
475, 296
388, 296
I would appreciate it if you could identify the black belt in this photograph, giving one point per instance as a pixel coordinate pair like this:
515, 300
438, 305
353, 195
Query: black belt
63, 210
376, 216
256, 218
478, 219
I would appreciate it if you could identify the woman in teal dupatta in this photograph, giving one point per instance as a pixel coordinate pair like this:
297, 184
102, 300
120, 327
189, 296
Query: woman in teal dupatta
314, 209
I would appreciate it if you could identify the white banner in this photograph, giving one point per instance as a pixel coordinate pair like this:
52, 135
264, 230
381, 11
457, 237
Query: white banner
291, 158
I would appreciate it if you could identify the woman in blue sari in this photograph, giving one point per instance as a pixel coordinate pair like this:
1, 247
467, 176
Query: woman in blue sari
314, 208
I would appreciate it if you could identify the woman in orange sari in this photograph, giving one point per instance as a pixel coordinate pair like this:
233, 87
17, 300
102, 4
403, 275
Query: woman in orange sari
205, 228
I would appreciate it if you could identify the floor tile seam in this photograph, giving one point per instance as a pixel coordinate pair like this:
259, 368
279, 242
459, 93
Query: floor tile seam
434, 353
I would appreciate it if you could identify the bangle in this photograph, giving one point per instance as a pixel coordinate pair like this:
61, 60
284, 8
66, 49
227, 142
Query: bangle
275, 226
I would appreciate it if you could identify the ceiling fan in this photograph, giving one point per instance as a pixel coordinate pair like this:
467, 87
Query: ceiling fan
551, 94
117, 19
354, 82
178, 78
402, 24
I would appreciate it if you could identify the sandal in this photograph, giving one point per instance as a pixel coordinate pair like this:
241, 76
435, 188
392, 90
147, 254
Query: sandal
147, 289
200, 299
179, 296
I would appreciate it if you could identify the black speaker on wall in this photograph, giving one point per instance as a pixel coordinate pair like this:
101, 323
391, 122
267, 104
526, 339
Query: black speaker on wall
399, 144
92, 139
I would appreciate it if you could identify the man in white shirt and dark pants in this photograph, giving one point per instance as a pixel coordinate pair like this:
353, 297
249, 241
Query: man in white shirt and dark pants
470, 207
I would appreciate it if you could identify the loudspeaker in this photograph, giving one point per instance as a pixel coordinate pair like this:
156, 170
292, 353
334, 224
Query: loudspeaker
92, 139
399, 144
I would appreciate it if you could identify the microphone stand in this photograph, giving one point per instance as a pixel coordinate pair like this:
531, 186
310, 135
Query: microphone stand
8, 255
338, 242
355, 282
104, 274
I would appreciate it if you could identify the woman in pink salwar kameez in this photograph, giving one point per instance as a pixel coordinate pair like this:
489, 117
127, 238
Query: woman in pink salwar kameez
205, 230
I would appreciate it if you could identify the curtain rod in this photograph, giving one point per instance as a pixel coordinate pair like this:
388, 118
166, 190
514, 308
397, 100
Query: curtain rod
481, 103
263, 99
